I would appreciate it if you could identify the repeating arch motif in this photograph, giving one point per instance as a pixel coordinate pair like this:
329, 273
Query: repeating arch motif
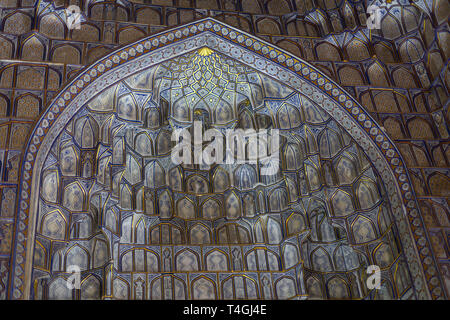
226, 41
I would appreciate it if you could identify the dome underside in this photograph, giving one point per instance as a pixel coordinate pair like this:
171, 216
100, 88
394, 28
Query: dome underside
113, 202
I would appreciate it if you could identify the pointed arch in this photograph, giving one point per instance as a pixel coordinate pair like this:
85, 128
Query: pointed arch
245, 177
154, 175
127, 108
69, 160
165, 204
91, 288
100, 253
67, 107
211, 209
367, 193
111, 220
175, 177
346, 169
285, 288
329, 143
33, 49
77, 256
197, 184
321, 260
52, 26
163, 142
288, 117
200, 234
140, 231
54, 225
58, 290
337, 288
143, 144
51, 186
262, 259
186, 208
187, 260
221, 180
133, 169
203, 288
74, 197
216, 260
274, 233
293, 157
314, 288
295, 223
233, 233
363, 229
278, 200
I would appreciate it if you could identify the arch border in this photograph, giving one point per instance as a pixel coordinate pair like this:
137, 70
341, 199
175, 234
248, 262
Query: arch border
268, 59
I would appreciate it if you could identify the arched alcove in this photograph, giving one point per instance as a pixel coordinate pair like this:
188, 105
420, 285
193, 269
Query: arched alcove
127, 201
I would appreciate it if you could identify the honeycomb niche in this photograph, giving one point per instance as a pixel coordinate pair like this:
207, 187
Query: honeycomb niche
107, 198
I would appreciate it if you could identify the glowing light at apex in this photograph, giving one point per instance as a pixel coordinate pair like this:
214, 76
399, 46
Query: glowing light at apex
205, 52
